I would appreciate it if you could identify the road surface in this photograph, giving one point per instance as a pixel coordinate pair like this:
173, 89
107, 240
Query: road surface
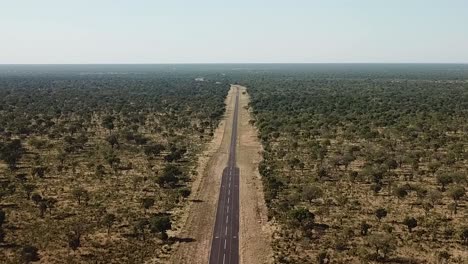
225, 242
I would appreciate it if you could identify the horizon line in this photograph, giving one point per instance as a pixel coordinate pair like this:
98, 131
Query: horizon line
214, 63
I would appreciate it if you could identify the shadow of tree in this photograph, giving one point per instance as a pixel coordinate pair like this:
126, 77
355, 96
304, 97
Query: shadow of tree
182, 239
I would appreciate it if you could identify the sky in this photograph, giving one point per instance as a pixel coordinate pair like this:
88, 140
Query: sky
234, 31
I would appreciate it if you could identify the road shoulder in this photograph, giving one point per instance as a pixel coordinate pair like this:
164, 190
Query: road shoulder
255, 231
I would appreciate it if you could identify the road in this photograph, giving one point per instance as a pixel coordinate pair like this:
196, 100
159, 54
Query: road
225, 242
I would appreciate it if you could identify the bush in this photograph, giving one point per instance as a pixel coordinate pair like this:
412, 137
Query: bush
29, 254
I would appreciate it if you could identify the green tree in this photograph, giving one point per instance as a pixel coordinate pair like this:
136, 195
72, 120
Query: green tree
28, 189
160, 224
381, 213
311, 192
153, 150
109, 220
302, 218
456, 193
170, 176
147, 203
384, 245
11, 152
74, 240
79, 193
184, 192
464, 235
364, 228
2, 217
42, 205
29, 254
444, 180
36, 198
108, 122
2, 235
401, 192
411, 223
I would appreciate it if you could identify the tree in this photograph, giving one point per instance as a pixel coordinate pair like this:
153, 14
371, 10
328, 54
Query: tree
74, 239
376, 188
185, 192
434, 196
433, 167
411, 223
381, 213
100, 171
365, 228
108, 122
170, 176
293, 163
79, 193
2, 217
36, 198
464, 235
153, 150
28, 189
139, 227
303, 218
322, 172
384, 244
109, 220
456, 193
29, 254
323, 257
147, 203
160, 224
38, 171
443, 256
50, 203
113, 140
444, 179
42, 205
401, 192
11, 152
311, 192
112, 159
2, 235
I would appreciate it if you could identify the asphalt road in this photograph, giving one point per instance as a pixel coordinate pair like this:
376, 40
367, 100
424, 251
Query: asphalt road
225, 242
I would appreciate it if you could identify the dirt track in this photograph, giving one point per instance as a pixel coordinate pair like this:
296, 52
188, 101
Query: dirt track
198, 221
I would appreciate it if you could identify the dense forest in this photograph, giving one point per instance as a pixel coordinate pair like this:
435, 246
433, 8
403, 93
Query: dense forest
364, 166
94, 163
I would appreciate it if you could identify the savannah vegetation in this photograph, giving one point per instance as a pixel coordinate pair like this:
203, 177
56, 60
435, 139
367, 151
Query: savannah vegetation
94, 164
361, 164
364, 164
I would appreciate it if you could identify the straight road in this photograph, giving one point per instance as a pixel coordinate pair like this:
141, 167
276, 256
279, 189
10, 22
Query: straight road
225, 242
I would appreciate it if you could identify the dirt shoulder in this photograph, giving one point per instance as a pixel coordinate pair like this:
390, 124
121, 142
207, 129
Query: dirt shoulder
255, 231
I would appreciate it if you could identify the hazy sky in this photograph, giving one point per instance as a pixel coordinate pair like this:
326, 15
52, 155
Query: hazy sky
209, 31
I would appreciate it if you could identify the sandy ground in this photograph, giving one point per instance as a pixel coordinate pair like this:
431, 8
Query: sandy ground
198, 221
255, 232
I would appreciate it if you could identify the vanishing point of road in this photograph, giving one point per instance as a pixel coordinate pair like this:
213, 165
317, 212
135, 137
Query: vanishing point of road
225, 242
